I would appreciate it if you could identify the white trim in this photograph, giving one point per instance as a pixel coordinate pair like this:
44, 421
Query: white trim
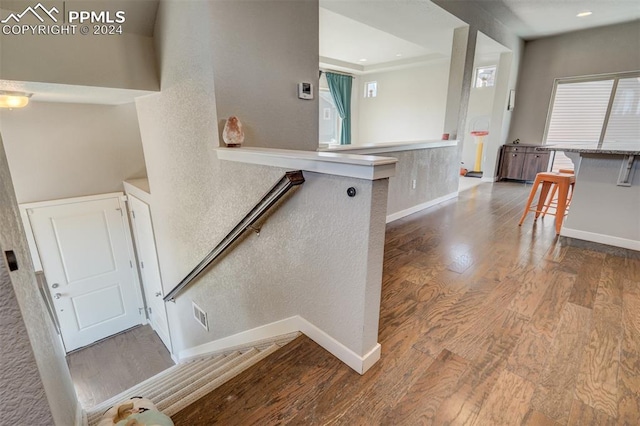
288, 325
489, 179
62, 201
139, 188
80, 419
601, 238
419, 207
359, 363
285, 326
350, 165
379, 148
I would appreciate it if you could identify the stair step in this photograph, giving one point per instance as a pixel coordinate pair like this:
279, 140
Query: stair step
153, 382
189, 398
181, 385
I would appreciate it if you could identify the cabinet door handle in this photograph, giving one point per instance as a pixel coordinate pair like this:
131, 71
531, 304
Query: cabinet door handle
514, 155
537, 156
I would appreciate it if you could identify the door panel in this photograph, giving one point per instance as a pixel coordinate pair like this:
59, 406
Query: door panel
86, 257
149, 268
85, 245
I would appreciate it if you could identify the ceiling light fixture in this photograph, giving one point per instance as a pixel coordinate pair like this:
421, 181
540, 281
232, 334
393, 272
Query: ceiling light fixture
14, 99
398, 54
583, 14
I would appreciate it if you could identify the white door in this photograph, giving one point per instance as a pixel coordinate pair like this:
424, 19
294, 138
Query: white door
149, 268
86, 257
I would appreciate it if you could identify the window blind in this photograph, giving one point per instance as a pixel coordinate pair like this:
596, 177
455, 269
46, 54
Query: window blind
579, 111
624, 121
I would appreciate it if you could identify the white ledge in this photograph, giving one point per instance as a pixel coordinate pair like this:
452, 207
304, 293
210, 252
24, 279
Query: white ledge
358, 166
378, 148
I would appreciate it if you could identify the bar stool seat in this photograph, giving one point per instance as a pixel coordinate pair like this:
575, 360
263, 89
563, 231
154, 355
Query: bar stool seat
545, 180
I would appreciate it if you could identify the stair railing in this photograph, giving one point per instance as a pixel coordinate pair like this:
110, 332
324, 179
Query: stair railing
288, 181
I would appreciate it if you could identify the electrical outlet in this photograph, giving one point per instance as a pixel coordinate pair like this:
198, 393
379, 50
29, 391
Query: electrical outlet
413, 184
200, 316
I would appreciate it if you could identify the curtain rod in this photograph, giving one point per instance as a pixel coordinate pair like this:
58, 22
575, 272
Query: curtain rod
337, 72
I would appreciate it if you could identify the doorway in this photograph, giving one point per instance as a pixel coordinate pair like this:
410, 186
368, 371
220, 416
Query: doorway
84, 247
481, 135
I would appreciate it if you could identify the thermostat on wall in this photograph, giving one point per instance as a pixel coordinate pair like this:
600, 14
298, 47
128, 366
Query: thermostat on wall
305, 90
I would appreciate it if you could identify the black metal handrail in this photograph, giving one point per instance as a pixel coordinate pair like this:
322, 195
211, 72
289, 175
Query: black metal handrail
288, 181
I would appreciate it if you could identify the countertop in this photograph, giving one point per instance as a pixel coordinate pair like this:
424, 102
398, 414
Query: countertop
592, 148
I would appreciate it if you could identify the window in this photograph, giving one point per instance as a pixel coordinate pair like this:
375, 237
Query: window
371, 89
485, 76
603, 109
329, 119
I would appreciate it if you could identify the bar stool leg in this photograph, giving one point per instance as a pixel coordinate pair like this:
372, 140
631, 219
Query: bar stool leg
563, 193
547, 205
543, 197
532, 195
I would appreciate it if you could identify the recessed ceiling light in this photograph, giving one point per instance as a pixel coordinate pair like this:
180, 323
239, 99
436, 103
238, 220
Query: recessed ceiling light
583, 14
398, 54
363, 60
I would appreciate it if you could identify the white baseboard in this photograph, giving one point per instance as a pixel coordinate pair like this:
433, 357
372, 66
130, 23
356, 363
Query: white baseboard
288, 325
601, 238
359, 363
80, 416
417, 208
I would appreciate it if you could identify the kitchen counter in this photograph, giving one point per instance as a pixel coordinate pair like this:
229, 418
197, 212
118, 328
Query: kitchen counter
605, 207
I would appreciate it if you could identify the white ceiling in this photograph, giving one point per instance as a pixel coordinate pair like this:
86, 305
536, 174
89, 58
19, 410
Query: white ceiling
379, 29
350, 41
531, 19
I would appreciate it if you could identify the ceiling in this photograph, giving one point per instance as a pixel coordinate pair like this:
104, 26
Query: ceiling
377, 30
531, 19
380, 30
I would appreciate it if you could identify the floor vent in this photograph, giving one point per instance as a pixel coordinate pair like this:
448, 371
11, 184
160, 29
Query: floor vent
200, 316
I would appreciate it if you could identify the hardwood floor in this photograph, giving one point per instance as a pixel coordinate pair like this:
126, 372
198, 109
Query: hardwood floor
482, 323
115, 364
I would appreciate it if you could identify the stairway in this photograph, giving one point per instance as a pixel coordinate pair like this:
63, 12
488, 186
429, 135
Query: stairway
179, 386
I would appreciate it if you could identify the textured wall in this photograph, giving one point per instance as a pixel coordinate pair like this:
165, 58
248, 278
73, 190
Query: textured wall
22, 400
602, 50
20, 382
435, 171
70, 150
314, 257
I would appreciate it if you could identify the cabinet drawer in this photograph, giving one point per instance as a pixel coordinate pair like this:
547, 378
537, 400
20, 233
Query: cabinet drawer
515, 149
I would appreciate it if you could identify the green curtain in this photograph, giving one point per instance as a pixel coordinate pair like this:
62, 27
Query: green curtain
340, 88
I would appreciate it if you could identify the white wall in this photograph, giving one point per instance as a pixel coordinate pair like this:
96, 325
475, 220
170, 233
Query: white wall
67, 150
251, 76
410, 105
33, 361
304, 262
602, 50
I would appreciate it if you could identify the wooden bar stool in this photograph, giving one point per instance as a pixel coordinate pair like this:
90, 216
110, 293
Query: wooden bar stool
546, 180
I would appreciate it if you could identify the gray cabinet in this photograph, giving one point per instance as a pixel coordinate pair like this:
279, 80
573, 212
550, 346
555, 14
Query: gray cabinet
522, 162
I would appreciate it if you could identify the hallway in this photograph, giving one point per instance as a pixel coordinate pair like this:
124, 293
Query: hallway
482, 322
